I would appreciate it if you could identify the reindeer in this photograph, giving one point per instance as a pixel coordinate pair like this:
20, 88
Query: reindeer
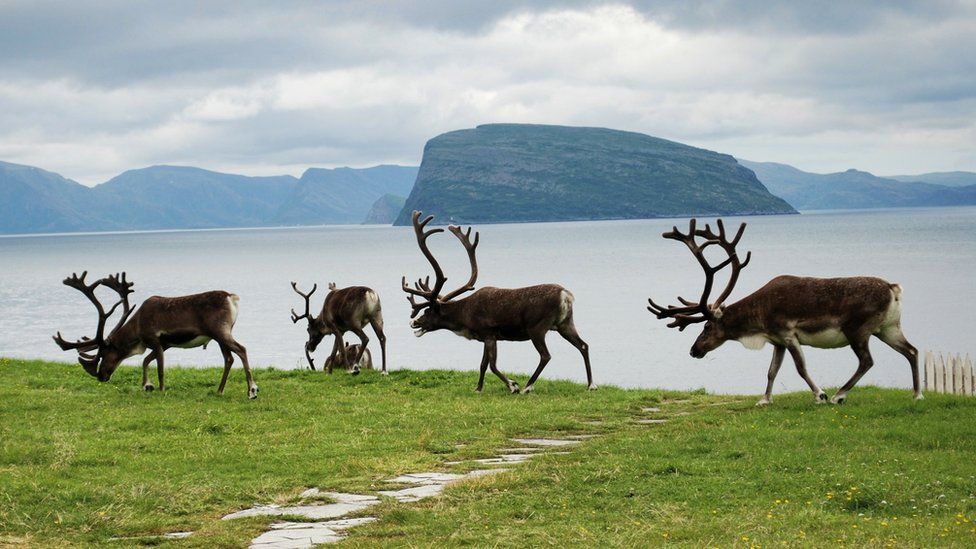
348, 359
345, 309
159, 324
491, 314
790, 311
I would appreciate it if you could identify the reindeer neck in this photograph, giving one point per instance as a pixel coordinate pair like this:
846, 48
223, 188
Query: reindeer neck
744, 317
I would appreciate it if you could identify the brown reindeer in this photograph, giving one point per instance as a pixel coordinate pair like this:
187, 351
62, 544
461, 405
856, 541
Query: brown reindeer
348, 360
159, 324
790, 311
491, 314
344, 310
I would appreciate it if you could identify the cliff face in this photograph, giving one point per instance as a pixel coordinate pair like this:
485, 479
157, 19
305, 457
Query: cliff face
384, 210
521, 172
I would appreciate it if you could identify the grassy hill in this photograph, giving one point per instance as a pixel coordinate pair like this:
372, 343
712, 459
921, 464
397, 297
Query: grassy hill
83, 462
526, 172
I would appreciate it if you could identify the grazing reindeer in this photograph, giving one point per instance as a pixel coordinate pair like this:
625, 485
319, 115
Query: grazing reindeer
492, 314
160, 323
344, 310
791, 311
348, 359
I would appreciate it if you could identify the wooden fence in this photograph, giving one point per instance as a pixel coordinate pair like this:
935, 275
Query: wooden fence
949, 374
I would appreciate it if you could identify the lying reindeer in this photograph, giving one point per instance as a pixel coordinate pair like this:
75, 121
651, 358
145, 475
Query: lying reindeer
159, 324
345, 309
491, 314
348, 359
790, 311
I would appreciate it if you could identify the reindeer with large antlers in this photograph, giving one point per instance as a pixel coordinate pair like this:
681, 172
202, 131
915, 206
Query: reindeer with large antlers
491, 314
790, 311
344, 310
159, 324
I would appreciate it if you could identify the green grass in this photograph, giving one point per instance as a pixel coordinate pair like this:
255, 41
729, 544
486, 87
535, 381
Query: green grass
83, 462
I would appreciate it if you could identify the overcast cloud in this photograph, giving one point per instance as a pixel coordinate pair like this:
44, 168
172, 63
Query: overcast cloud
275, 87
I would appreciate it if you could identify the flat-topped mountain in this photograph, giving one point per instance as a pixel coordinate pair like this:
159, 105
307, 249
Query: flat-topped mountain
498, 173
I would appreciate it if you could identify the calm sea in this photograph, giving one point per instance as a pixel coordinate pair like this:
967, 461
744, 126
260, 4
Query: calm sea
611, 267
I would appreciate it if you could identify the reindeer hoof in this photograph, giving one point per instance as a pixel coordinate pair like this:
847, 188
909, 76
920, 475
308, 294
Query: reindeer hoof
148, 388
478, 389
528, 389
354, 372
384, 372
838, 399
514, 388
591, 387
252, 393
919, 396
821, 398
764, 402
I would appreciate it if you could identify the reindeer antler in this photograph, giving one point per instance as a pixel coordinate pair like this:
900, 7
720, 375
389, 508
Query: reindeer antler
692, 312
422, 288
115, 282
295, 317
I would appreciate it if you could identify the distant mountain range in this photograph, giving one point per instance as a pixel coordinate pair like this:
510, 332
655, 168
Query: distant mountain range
488, 174
499, 173
174, 197
854, 189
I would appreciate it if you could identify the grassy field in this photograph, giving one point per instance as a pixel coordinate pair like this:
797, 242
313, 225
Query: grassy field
83, 462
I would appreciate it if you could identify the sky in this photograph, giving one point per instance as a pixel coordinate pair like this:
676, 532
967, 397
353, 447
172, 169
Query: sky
90, 89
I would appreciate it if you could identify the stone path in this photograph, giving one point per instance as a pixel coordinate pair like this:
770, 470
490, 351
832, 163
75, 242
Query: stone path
320, 529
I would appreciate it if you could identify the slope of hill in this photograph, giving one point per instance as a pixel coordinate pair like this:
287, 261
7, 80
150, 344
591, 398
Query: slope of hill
525, 172
949, 179
343, 195
385, 210
37, 201
853, 189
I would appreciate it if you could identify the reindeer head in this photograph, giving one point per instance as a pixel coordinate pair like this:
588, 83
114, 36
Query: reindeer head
108, 354
317, 328
716, 330
431, 300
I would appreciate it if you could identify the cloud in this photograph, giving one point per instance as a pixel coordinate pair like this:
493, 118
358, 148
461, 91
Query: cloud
275, 87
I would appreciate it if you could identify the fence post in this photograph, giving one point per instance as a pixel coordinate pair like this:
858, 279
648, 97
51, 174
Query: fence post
967, 377
940, 375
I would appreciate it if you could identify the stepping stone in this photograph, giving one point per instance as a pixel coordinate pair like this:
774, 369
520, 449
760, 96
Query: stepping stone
650, 410
520, 450
546, 441
651, 421
178, 535
426, 478
477, 473
287, 535
592, 422
581, 437
417, 493
345, 504
516, 458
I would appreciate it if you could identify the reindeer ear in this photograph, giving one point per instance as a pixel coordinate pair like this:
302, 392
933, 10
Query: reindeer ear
717, 312
332, 286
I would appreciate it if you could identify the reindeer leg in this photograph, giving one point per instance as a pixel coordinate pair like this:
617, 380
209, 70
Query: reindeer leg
492, 346
778, 353
484, 368
338, 352
801, 367
158, 351
241, 352
544, 357
146, 386
377, 324
860, 348
363, 339
568, 331
895, 339
228, 362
